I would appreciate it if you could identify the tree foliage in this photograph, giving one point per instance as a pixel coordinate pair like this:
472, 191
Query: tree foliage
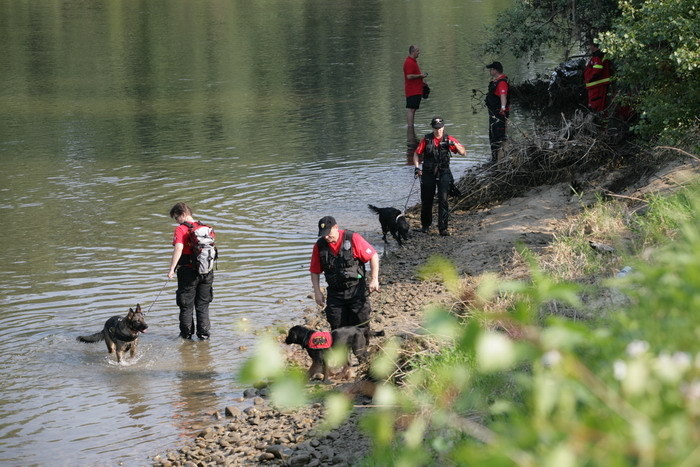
532, 27
656, 44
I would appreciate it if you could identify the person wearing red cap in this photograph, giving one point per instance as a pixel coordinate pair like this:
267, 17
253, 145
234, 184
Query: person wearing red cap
341, 255
413, 83
436, 148
498, 105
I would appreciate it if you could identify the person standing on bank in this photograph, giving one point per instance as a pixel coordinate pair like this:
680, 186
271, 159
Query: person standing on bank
436, 149
413, 84
194, 290
596, 75
341, 255
498, 105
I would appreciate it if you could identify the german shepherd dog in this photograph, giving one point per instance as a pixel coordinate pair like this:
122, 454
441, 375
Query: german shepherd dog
350, 337
120, 333
392, 221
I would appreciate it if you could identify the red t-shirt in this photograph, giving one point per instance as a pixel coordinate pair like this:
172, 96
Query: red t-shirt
501, 87
361, 249
412, 87
180, 236
436, 141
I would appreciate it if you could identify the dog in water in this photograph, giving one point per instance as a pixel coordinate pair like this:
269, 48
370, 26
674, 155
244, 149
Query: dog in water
317, 342
120, 333
392, 221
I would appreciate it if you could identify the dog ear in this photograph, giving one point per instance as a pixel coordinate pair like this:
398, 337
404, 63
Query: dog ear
138, 308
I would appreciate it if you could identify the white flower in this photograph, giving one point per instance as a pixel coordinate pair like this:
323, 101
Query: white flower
637, 348
619, 369
551, 358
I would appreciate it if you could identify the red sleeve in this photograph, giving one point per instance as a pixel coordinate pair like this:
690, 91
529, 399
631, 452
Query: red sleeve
180, 234
362, 249
421, 146
315, 266
453, 141
501, 88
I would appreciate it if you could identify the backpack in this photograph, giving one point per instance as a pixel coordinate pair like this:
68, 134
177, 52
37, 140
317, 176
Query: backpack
204, 250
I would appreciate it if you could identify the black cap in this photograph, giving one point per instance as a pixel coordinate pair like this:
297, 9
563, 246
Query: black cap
496, 66
325, 225
437, 122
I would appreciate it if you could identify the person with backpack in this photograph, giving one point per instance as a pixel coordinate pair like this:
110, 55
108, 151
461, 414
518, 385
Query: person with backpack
194, 257
341, 255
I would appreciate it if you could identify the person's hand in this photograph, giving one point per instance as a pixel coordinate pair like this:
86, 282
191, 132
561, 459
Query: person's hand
374, 285
417, 172
171, 273
318, 297
425, 75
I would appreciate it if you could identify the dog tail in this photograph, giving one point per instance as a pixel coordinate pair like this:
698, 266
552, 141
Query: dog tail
373, 208
97, 337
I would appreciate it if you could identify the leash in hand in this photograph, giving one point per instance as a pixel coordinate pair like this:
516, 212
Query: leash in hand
158, 296
410, 193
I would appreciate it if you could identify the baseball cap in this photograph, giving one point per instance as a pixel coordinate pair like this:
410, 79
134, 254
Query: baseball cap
437, 122
496, 66
325, 225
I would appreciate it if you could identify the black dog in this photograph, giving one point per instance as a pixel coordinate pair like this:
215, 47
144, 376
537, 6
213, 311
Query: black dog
316, 343
392, 221
121, 334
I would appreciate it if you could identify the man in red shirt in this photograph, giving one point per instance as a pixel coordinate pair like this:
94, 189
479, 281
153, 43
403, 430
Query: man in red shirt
596, 75
413, 84
436, 149
341, 255
498, 105
194, 290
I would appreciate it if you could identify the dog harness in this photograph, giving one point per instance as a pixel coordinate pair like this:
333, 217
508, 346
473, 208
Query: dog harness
319, 340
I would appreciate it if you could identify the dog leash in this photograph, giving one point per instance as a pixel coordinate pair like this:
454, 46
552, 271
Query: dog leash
410, 193
158, 296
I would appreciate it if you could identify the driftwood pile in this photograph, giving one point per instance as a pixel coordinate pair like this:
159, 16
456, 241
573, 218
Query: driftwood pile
544, 157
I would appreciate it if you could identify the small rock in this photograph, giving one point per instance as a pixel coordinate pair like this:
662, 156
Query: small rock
280, 452
232, 411
242, 348
258, 401
266, 456
300, 460
250, 392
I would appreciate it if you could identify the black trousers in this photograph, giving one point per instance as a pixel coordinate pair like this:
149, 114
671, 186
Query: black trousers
497, 133
429, 182
350, 307
194, 293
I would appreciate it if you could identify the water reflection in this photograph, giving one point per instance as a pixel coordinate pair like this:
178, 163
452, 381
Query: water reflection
263, 116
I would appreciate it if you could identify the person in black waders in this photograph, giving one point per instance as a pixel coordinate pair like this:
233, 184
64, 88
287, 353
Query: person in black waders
436, 149
341, 255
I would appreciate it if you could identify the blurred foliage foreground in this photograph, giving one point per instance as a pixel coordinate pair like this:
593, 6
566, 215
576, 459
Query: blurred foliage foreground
566, 372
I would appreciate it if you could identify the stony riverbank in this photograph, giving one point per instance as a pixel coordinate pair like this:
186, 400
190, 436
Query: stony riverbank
480, 241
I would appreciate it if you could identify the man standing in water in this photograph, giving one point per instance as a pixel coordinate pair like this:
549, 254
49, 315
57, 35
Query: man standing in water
194, 290
413, 85
498, 105
436, 149
341, 255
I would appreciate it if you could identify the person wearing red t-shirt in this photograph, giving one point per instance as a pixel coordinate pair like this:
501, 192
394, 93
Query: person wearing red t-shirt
436, 149
194, 290
341, 256
498, 105
413, 84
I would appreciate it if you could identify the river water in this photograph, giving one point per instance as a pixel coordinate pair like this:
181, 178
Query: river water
264, 116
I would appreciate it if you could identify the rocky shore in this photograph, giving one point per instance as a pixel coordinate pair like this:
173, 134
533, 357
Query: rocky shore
480, 241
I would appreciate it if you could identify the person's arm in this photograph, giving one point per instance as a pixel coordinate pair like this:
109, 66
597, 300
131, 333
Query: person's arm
504, 102
459, 147
316, 284
417, 76
374, 280
177, 253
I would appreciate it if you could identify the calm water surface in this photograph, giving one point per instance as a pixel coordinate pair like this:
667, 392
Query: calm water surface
263, 116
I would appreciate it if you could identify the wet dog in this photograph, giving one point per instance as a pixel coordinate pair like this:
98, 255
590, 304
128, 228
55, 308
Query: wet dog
316, 343
120, 333
392, 221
